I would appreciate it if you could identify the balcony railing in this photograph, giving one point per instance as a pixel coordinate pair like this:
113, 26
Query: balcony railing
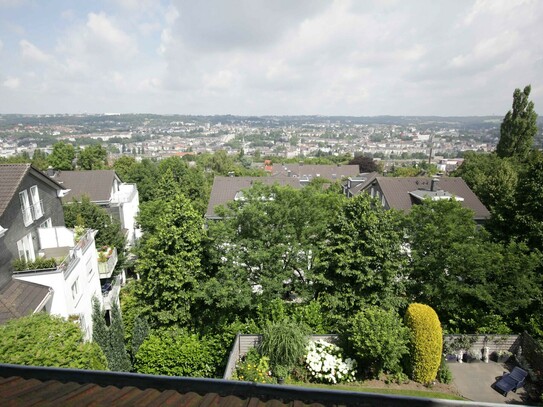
124, 195
105, 268
32, 212
54, 257
110, 292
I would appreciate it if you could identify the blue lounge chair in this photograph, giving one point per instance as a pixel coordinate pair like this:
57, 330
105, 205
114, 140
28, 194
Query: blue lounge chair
511, 381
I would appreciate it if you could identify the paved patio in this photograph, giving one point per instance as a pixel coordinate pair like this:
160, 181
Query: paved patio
474, 380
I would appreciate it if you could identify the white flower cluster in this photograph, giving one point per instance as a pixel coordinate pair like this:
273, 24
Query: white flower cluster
325, 363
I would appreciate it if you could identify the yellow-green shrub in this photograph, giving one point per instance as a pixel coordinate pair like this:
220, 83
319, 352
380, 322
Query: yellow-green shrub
426, 342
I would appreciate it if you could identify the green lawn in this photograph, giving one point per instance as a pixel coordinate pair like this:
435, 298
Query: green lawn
399, 392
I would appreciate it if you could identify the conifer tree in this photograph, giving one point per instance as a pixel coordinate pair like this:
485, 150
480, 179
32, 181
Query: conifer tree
118, 359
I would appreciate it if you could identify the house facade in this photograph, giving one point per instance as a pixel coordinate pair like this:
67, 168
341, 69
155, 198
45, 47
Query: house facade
44, 266
105, 189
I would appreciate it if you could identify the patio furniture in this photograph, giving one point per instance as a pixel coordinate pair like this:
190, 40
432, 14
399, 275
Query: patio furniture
511, 381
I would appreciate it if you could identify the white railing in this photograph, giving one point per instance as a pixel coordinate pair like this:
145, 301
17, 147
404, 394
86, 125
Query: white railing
124, 195
106, 268
111, 295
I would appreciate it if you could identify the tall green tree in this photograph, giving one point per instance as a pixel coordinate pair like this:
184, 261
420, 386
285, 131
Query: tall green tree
519, 127
265, 246
528, 221
39, 160
62, 157
118, 359
494, 180
100, 333
362, 261
45, 340
169, 262
110, 339
93, 157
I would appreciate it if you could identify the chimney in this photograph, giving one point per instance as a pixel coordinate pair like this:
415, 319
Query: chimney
51, 172
289, 173
433, 185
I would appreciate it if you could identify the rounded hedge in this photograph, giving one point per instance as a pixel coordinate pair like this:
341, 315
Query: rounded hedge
426, 342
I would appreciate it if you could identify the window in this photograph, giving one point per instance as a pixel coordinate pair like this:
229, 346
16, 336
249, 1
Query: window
37, 204
25, 207
90, 270
26, 248
47, 224
75, 289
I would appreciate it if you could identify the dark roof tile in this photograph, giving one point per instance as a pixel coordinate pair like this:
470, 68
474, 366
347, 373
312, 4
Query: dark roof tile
11, 176
96, 184
396, 191
225, 188
20, 298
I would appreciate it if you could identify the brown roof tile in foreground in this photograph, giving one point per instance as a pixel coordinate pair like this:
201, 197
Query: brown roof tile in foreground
30, 385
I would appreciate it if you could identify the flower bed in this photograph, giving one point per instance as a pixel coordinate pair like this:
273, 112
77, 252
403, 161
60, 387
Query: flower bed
325, 363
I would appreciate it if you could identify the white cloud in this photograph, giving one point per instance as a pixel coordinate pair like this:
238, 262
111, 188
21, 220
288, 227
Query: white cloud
104, 33
11, 83
33, 53
281, 57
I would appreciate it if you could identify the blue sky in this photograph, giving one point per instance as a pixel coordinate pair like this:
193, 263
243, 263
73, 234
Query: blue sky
257, 57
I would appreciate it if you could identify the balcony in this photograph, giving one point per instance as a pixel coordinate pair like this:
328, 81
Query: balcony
59, 251
110, 292
107, 260
125, 194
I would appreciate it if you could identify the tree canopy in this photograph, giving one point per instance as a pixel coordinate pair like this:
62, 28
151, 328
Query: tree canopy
169, 261
45, 340
519, 127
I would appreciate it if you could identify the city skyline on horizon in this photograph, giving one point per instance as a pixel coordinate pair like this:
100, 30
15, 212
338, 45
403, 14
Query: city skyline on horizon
254, 58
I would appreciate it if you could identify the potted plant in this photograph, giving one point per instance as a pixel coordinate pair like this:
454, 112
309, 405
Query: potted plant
473, 356
503, 356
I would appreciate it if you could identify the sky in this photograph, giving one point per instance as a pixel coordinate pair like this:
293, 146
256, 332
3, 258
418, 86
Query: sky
269, 57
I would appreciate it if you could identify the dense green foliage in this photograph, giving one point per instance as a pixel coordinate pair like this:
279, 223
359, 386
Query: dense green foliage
378, 339
175, 353
89, 215
118, 359
45, 340
426, 342
263, 251
62, 156
93, 157
361, 260
169, 262
457, 269
110, 339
